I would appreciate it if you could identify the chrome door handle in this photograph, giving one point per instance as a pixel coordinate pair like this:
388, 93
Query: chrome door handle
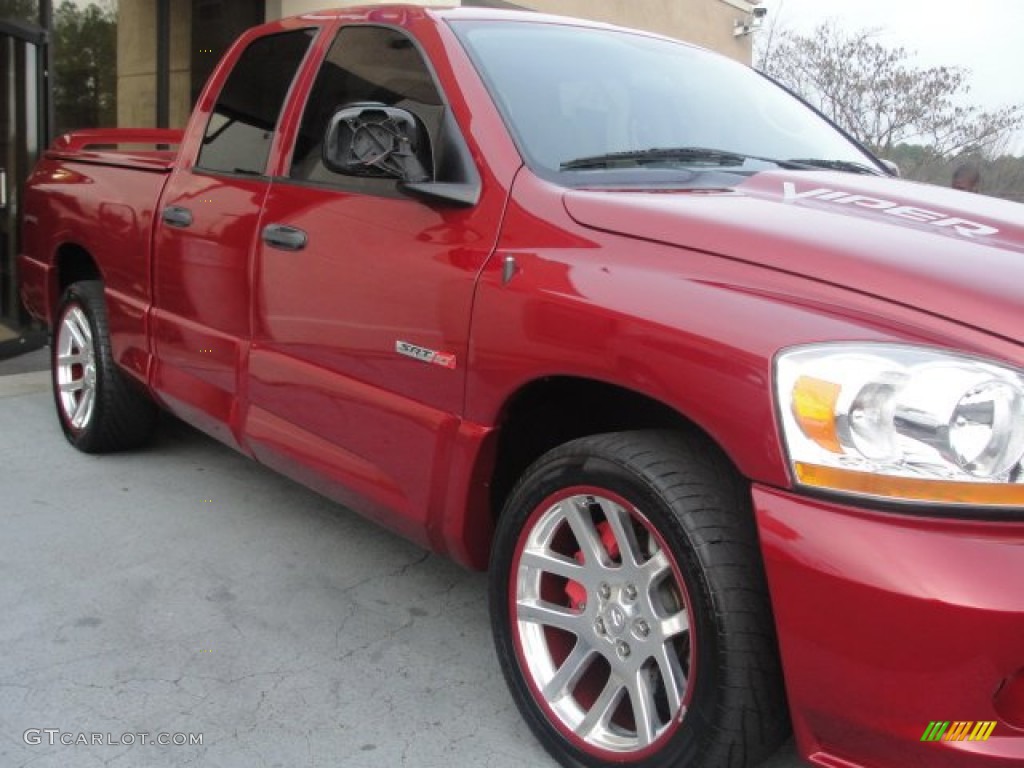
284, 238
176, 216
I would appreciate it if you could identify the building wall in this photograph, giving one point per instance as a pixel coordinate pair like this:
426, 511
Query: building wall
136, 63
709, 23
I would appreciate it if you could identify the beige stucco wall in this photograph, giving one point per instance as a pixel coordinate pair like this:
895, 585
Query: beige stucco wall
706, 22
136, 63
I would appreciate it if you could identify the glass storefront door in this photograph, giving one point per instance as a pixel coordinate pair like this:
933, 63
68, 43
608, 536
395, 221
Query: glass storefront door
21, 124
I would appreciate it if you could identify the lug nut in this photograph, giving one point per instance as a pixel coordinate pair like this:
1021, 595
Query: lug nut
604, 591
641, 628
599, 626
622, 648
630, 592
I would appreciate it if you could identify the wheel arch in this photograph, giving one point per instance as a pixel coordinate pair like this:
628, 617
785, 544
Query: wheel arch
72, 263
568, 407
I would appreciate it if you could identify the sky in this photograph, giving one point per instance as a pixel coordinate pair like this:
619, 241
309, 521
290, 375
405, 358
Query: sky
985, 37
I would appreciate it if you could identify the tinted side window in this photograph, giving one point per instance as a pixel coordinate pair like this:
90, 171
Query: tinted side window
364, 64
241, 128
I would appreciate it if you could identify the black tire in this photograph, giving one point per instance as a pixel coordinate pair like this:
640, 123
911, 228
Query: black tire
100, 409
680, 495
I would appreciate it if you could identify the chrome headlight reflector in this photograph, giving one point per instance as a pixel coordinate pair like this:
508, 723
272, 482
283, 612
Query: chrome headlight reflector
902, 423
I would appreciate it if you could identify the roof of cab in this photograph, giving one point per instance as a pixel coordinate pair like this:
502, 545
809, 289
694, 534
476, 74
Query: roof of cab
397, 12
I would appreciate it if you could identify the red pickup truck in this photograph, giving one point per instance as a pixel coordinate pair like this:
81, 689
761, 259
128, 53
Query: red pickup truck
734, 418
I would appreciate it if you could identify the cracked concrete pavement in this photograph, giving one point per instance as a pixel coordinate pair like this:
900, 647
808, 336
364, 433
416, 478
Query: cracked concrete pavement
186, 589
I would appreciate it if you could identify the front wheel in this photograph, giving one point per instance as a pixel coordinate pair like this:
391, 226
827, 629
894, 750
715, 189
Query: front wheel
629, 607
99, 408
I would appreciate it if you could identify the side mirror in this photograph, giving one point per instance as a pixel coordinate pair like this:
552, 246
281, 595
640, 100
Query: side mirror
370, 139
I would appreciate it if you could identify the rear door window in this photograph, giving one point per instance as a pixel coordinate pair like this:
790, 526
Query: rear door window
241, 128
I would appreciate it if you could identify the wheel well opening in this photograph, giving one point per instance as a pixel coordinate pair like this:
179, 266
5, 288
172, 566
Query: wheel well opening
554, 411
74, 263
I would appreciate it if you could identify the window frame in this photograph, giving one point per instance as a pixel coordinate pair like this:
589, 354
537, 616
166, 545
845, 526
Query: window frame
357, 185
213, 100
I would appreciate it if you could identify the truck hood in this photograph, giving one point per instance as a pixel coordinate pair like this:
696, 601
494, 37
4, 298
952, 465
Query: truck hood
953, 254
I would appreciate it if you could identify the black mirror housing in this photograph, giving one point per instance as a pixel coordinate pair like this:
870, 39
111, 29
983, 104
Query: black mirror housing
373, 140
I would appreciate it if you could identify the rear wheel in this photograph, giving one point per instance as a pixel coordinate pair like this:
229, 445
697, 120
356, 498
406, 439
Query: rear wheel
99, 408
629, 607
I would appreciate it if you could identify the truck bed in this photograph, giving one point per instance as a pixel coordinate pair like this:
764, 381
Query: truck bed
97, 192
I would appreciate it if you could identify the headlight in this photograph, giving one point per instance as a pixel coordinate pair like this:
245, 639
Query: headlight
903, 423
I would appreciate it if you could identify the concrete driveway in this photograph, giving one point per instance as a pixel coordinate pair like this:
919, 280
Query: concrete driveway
187, 591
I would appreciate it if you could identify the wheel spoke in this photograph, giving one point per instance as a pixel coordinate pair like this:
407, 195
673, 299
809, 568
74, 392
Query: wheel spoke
541, 612
656, 567
622, 526
81, 415
550, 562
601, 712
582, 524
77, 330
672, 676
642, 700
675, 624
72, 386
73, 359
570, 672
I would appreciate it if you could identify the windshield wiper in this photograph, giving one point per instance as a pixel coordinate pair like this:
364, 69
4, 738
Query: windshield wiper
836, 165
719, 157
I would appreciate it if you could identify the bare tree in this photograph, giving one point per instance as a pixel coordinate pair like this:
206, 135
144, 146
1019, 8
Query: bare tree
879, 96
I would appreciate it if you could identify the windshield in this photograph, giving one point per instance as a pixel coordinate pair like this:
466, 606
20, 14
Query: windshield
572, 94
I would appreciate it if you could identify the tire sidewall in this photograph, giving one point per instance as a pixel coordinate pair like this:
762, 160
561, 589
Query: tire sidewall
540, 484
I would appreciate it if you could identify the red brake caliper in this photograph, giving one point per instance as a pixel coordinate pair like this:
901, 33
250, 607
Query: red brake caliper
575, 591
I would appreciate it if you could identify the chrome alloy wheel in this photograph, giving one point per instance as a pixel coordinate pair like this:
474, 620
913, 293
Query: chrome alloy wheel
75, 364
602, 623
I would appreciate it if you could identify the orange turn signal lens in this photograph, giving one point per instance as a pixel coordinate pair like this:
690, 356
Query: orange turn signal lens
814, 407
909, 488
